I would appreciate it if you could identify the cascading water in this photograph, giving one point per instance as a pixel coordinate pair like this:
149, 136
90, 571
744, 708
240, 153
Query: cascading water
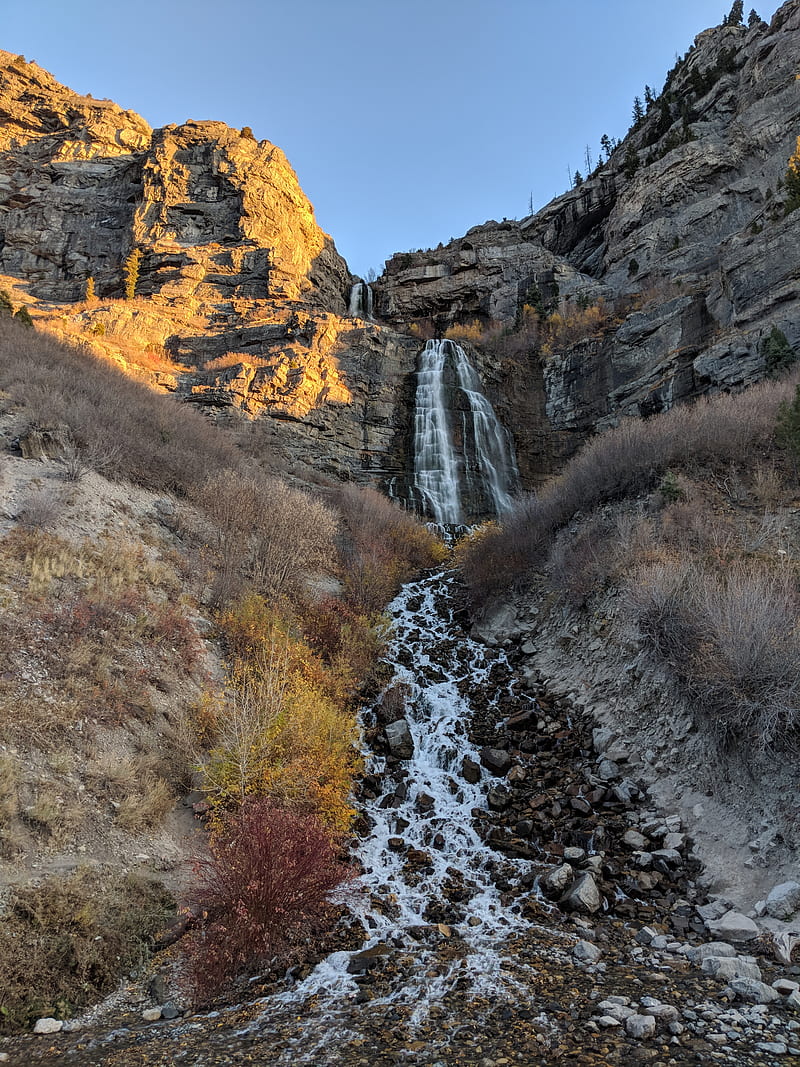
360, 306
463, 460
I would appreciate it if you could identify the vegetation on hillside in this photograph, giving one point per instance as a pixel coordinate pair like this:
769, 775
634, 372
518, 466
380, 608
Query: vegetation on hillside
109, 699
686, 512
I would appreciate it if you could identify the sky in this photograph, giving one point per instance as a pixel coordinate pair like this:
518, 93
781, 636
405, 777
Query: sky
407, 121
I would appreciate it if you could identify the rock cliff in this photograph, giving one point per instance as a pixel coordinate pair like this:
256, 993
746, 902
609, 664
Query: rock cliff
678, 239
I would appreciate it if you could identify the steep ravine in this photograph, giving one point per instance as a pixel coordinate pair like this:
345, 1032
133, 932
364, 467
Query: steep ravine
520, 901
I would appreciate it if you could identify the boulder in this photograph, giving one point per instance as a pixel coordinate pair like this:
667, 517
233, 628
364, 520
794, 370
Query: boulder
558, 879
399, 739
753, 990
733, 926
583, 895
586, 952
640, 1027
470, 770
727, 967
496, 761
783, 900
48, 1026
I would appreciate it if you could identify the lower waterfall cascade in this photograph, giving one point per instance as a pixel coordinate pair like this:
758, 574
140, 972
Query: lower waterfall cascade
464, 464
360, 304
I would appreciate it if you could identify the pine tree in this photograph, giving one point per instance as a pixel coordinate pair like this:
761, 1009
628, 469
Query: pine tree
131, 272
630, 164
638, 110
736, 16
787, 430
777, 352
88, 293
577, 179
23, 317
753, 18
605, 144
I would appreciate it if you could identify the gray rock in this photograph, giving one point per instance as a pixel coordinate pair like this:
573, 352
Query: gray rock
608, 1022
583, 895
726, 967
793, 1000
640, 1027
573, 854
586, 952
633, 839
785, 986
733, 926
151, 1015
557, 880
48, 1025
607, 770
399, 739
712, 948
753, 990
783, 900
602, 737
496, 761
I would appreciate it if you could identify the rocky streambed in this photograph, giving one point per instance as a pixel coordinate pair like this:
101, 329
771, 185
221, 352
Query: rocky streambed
521, 901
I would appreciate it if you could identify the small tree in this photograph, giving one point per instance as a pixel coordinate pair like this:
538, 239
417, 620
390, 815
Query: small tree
787, 430
630, 163
248, 133
777, 352
792, 181
736, 15
753, 18
6, 307
577, 179
131, 272
638, 110
88, 292
23, 317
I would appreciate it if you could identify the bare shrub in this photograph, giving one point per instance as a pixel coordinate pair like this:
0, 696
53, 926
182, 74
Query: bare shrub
266, 530
659, 597
381, 547
67, 943
581, 561
40, 509
261, 889
626, 461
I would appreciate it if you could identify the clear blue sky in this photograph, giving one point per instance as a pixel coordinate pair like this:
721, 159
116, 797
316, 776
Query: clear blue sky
407, 121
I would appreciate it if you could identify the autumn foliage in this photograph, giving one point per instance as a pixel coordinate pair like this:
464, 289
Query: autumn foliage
262, 887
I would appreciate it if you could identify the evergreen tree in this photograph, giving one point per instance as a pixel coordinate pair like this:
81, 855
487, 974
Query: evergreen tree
631, 162
638, 110
6, 307
736, 15
777, 352
23, 317
577, 179
787, 430
88, 293
131, 272
649, 98
753, 17
605, 144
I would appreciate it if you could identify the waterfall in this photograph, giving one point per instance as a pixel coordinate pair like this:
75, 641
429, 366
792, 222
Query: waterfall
360, 306
463, 460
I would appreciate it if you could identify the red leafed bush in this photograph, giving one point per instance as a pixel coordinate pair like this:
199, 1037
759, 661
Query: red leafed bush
262, 888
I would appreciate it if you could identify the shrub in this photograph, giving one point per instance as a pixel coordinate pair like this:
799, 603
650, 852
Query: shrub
787, 430
88, 292
777, 352
792, 181
40, 509
130, 271
67, 943
23, 317
121, 424
261, 889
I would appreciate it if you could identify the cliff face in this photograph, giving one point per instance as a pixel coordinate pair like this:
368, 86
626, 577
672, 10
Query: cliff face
655, 280
240, 298
679, 237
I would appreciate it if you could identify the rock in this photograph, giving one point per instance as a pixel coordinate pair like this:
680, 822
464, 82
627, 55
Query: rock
170, 1011
607, 770
640, 1027
368, 958
753, 990
733, 926
151, 1015
725, 968
583, 895
573, 854
602, 737
785, 986
557, 880
496, 761
608, 1022
523, 720
674, 841
793, 1000
633, 839
783, 900
498, 798
470, 770
712, 948
48, 1026
399, 739
586, 952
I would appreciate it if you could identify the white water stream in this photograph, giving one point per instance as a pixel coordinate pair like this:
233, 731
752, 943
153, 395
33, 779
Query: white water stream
360, 306
432, 810
463, 460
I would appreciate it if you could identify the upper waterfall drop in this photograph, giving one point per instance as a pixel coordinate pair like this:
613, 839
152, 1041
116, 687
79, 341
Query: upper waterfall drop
464, 464
360, 306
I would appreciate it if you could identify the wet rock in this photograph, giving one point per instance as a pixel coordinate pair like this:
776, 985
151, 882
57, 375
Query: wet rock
470, 770
523, 720
556, 881
399, 739
364, 961
496, 760
498, 798
583, 895
396, 844
573, 854
733, 926
783, 900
